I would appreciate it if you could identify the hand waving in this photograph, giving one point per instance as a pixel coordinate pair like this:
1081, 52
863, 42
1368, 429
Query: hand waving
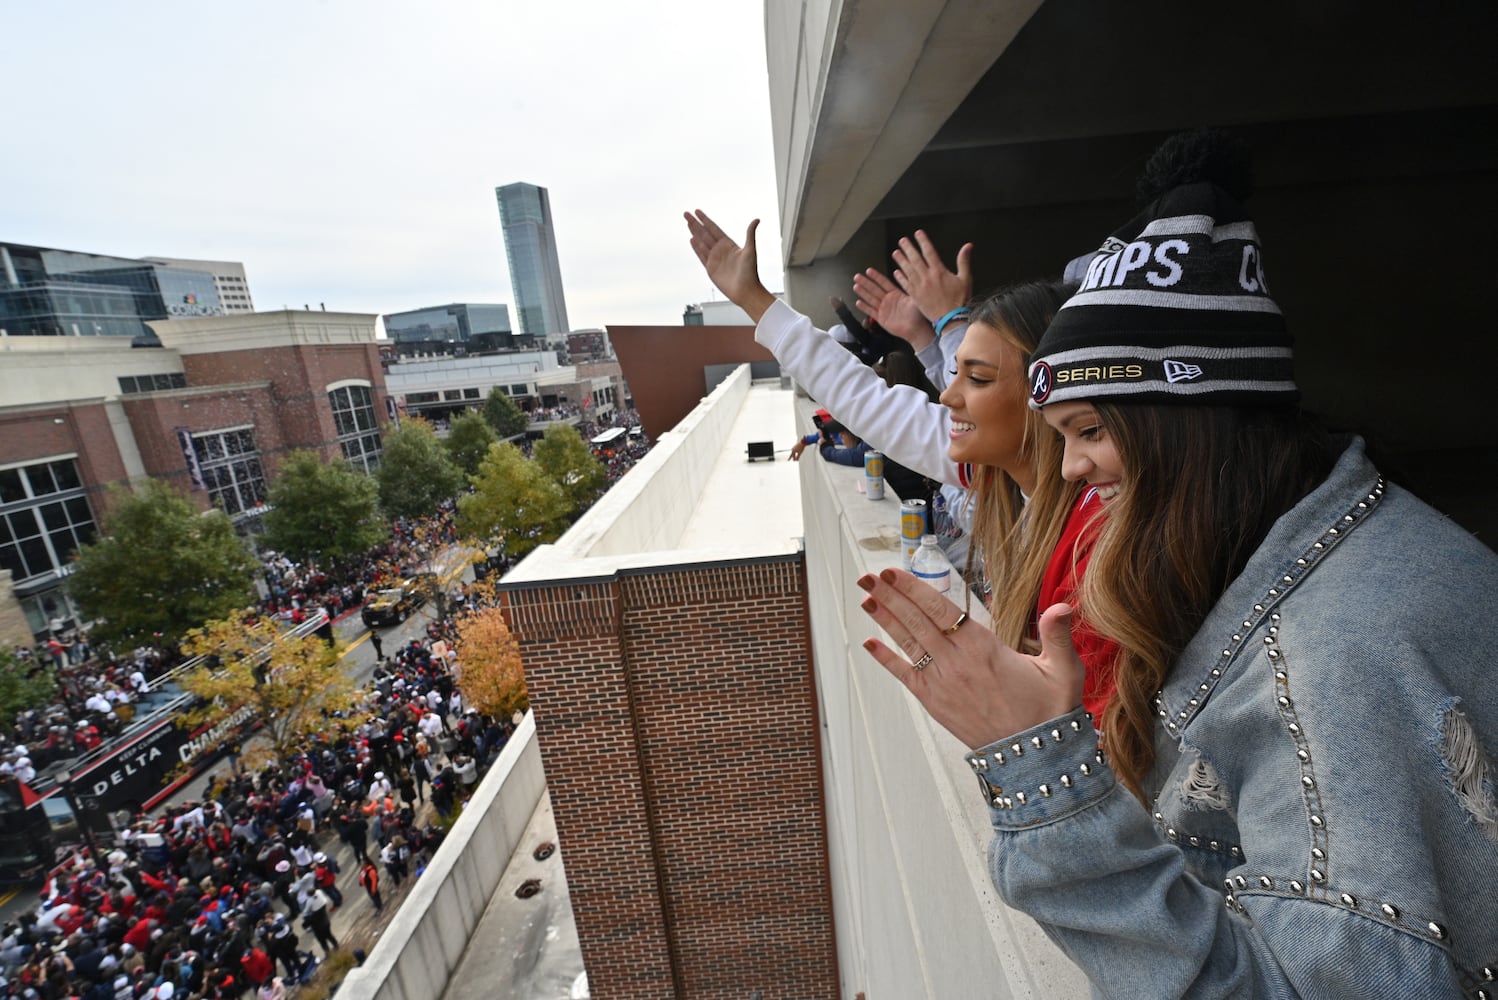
892, 308
733, 269
925, 278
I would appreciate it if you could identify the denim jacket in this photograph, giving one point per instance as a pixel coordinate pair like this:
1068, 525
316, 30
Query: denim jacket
1325, 796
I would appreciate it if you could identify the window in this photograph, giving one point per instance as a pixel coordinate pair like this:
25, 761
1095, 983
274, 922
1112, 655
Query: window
150, 383
231, 469
470, 394
358, 434
44, 517
417, 398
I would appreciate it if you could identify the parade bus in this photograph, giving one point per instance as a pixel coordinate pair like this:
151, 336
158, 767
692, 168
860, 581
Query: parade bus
607, 443
41, 822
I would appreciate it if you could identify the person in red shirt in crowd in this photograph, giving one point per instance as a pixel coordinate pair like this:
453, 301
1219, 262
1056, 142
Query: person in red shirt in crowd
257, 965
369, 878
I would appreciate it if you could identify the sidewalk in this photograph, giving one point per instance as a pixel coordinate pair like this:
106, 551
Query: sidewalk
525, 949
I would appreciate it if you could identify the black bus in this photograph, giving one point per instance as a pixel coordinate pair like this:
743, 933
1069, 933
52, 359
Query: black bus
132, 772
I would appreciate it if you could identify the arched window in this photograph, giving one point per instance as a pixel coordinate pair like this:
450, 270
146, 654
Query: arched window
358, 433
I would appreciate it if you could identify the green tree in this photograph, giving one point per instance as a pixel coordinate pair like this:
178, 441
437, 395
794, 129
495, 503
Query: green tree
566, 458
468, 441
514, 501
24, 684
323, 510
160, 567
503, 415
415, 474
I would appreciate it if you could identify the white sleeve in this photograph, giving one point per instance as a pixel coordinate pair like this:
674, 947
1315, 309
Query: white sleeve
933, 361
950, 340
900, 421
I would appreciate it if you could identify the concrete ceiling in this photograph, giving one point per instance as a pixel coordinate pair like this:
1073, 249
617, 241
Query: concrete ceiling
927, 109
867, 83
1333, 91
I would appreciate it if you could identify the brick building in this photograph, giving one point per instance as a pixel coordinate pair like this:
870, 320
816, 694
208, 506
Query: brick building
211, 411
666, 648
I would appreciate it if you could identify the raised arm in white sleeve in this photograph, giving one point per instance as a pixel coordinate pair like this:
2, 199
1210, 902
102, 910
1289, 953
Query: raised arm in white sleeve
901, 421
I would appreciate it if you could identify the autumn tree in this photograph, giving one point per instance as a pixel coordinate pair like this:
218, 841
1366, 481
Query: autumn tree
468, 440
160, 568
490, 674
323, 510
513, 501
570, 463
416, 475
503, 415
254, 671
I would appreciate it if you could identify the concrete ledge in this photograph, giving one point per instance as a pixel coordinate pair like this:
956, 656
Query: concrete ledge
907, 830
423, 944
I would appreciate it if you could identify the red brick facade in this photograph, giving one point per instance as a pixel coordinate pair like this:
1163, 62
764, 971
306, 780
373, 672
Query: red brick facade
299, 377
32, 434
678, 723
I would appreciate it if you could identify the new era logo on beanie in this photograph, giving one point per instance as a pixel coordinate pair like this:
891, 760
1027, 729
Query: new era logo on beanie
1173, 306
1177, 371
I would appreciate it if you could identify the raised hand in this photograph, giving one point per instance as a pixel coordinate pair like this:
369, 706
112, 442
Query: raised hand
733, 269
924, 277
892, 309
976, 687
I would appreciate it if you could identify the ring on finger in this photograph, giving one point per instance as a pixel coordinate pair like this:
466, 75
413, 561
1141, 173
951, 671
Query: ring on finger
955, 625
923, 662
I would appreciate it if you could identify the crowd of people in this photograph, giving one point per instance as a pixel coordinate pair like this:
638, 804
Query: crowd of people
622, 455
223, 897
97, 691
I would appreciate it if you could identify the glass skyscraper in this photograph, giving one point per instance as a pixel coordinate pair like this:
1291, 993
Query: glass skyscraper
531, 249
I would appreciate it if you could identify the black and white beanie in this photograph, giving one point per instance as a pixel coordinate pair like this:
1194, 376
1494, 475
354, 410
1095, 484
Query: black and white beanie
1173, 308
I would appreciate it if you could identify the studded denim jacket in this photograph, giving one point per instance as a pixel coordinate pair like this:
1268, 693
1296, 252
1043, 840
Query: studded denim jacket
1324, 817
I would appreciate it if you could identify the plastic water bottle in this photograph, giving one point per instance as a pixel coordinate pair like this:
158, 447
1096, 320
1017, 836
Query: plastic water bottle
930, 566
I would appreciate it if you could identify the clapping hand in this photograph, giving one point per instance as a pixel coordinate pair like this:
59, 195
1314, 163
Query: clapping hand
969, 681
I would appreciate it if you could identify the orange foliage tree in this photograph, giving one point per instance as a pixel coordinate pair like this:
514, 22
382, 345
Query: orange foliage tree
490, 674
256, 672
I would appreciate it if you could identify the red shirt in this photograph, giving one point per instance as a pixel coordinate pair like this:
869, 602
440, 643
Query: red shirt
1063, 575
257, 965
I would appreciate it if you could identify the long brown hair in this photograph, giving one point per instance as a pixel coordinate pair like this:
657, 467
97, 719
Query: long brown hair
1014, 538
1202, 486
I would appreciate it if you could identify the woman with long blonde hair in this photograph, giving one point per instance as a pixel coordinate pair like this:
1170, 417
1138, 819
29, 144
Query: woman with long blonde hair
982, 436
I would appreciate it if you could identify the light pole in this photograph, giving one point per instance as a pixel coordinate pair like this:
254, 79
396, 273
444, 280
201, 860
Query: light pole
65, 782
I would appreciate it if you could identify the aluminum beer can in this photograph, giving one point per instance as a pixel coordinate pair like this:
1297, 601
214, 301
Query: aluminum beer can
873, 475
912, 526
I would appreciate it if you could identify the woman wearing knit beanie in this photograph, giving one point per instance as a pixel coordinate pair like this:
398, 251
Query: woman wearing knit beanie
1294, 791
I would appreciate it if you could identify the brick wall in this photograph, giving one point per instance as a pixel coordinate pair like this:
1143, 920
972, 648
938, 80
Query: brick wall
32, 434
299, 377
679, 730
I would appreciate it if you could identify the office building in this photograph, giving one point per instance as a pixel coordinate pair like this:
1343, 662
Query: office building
459, 326
228, 280
531, 249
62, 293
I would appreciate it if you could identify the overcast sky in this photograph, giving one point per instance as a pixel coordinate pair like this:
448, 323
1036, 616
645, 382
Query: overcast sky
347, 151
